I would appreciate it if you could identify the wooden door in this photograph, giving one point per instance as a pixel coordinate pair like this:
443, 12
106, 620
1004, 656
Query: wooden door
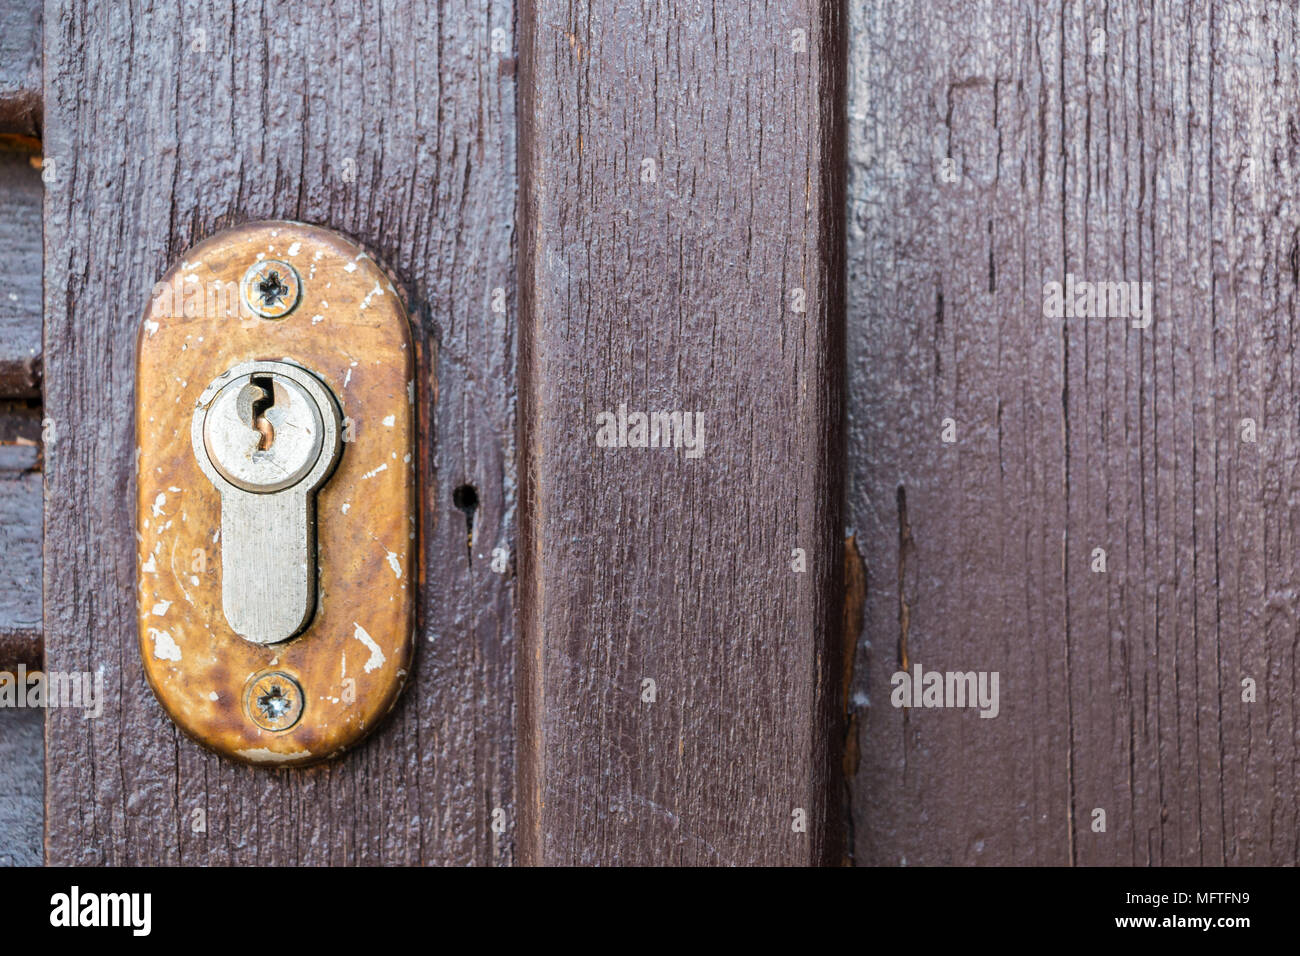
626, 654
828, 231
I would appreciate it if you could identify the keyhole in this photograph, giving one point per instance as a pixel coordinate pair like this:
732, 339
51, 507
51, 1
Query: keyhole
260, 407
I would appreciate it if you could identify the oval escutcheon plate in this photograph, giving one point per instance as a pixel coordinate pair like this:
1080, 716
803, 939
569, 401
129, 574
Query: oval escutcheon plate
277, 292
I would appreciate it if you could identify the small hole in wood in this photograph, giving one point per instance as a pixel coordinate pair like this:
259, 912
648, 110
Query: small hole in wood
465, 497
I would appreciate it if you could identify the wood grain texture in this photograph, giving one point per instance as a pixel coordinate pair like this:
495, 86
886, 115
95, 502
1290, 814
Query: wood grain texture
22, 747
673, 288
20, 377
20, 421
20, 546
20, 275
393, 124
1125, 142
20, 67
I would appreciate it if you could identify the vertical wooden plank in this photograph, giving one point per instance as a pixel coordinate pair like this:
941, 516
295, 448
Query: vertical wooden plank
1112, 143
952, 226
681, 252
394, 124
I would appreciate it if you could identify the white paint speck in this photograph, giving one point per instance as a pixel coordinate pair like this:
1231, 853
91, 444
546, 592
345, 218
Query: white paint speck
158, 505
295, 248
347, 506
160, 609
394, 564
390, 421
350, 267
214, 696
370, 295
376, 658
262, 755
317, 318
164, 648
371, 474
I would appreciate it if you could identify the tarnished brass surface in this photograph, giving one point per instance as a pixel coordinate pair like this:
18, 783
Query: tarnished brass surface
350, 328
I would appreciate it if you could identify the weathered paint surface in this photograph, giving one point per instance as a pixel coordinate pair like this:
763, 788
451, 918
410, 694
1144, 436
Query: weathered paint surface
20, 545
20, 68
682, 251
20, 273
996, 148
21, 786
392, 123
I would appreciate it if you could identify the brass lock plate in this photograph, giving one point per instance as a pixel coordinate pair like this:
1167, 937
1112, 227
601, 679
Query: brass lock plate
276, 332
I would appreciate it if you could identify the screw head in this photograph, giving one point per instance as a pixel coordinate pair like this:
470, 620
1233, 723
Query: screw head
271, 288
273, 700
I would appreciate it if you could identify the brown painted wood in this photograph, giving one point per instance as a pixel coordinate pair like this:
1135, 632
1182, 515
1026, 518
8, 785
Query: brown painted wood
677, 291
1111, 146
394, 126
20, 67
1157, 149
20, 545
20, 422
21, 777
20, 346
20, 274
